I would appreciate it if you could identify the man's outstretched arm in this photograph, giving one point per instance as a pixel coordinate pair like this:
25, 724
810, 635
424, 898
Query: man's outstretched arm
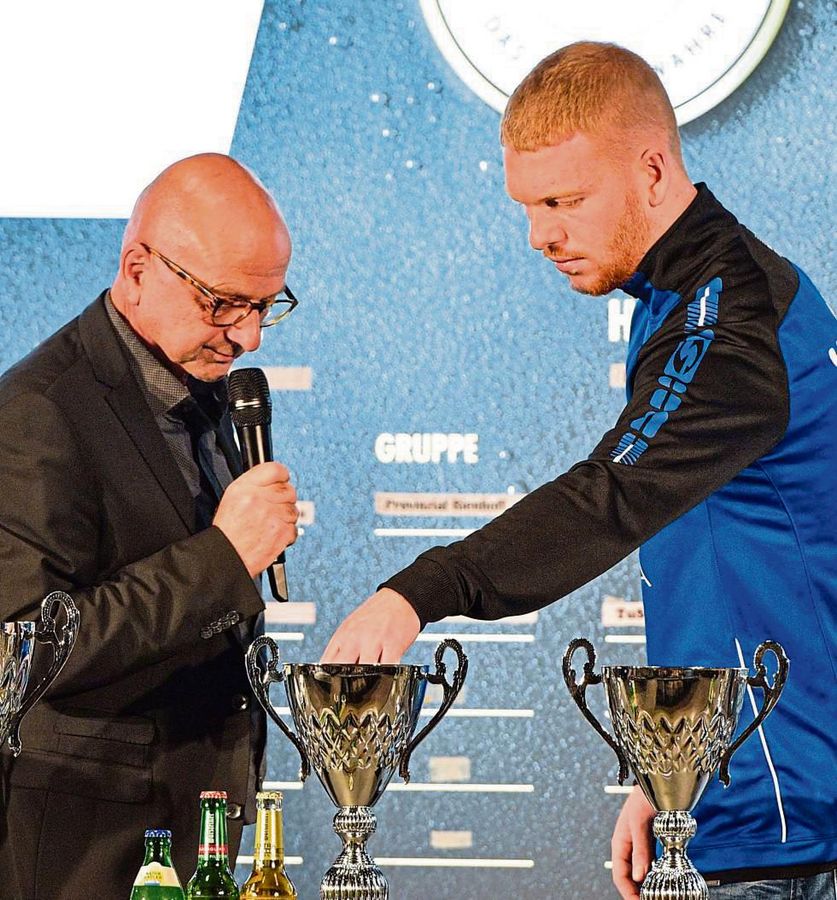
708, 401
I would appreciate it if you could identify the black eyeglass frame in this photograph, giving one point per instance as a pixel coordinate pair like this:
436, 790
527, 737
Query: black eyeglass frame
262, 306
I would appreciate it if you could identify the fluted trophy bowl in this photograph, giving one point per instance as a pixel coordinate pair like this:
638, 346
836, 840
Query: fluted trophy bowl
17, 650
355, 727
355, 724
674, 727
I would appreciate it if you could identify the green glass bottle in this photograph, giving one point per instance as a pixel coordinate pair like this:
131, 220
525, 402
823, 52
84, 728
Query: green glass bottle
156, 879
268, 878
213, 878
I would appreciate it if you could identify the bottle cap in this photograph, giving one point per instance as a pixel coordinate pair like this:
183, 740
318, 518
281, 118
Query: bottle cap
269, 798
158, 833
213, 795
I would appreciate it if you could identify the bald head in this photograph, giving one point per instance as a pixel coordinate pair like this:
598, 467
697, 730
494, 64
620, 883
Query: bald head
210, 217
208, 205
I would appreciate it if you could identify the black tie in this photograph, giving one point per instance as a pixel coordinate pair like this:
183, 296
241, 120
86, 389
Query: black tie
201, 414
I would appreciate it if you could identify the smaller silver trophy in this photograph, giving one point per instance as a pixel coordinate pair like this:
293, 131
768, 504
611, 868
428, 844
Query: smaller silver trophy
674, 725
354, 725
17, 648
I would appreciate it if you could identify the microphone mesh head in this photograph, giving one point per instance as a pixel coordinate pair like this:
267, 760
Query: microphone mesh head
249, 397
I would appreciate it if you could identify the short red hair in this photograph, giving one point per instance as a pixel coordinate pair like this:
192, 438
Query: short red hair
600, 89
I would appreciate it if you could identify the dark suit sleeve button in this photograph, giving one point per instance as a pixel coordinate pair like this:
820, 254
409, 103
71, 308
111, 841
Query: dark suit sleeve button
240, 701
234, 811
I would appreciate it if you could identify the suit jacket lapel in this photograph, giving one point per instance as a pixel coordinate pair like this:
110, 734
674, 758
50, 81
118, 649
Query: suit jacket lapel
124, 395
130, 407
228, 446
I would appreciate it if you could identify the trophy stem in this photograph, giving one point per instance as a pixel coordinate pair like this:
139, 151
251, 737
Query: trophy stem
354, 875
673, 877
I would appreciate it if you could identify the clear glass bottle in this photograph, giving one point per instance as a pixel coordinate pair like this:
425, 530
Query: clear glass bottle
213, 878
268, 878
157, 879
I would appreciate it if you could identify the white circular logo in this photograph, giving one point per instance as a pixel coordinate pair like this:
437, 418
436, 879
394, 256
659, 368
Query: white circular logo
701, 49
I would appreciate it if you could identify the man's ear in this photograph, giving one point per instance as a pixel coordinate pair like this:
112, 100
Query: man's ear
656, 176
133, 267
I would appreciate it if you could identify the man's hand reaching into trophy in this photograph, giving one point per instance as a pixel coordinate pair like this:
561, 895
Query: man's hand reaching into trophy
378, 631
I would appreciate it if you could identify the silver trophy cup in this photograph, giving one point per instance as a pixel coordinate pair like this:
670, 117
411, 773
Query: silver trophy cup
17, 649
354, 726
674, 726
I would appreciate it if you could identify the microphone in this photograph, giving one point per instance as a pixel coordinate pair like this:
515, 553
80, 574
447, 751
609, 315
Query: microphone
250, 410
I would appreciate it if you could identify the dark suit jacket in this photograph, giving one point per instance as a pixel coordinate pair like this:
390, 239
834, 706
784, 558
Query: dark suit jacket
147, 712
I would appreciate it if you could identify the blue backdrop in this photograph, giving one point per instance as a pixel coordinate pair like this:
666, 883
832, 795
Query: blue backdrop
424, 310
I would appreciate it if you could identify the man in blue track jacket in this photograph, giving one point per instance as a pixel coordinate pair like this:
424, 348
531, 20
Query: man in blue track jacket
722, 466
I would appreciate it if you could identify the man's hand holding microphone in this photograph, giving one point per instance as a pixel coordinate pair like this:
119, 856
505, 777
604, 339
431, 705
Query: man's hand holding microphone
258, 515
258, 512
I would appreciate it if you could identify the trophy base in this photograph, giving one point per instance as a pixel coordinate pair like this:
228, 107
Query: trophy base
667, 884
673, 876
354, 875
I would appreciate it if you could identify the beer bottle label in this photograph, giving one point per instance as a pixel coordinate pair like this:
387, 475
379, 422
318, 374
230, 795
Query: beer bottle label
155, 873
209, 846
212, 849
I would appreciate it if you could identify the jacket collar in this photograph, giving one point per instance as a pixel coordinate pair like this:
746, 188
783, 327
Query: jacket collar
682, 253
101, 343
125, 397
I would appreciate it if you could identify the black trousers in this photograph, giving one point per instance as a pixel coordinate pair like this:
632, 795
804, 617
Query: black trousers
47, 850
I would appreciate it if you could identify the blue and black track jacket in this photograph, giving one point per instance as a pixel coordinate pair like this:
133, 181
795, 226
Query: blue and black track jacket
723, 469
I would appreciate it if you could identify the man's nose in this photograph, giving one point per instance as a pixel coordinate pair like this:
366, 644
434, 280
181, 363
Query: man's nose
545, 230
247, 333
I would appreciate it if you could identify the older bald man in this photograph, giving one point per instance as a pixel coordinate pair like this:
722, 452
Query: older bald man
105, 433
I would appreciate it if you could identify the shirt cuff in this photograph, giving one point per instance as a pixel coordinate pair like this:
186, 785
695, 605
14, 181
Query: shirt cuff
428, 588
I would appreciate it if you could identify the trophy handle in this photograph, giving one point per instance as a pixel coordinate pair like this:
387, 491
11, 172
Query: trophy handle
450, 692
260, 682
771, 696
46, 632
577, 690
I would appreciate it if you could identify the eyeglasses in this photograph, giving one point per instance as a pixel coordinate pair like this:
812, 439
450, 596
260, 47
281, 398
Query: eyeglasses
226, 313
